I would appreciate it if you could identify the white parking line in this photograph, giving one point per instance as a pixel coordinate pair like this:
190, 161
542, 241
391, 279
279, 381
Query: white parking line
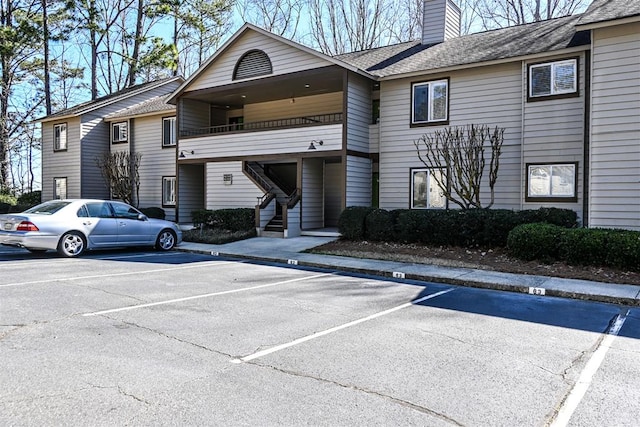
213, 294
128, 273
41, 262
336, 328
586, 376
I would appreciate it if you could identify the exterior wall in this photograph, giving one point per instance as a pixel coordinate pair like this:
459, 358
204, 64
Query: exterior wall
312, 194
281, 141
358, 185
191, 191
60, 164
374, 138
554, 132
358, 112
333, 190
156, 161
284, 59
242, 193
306, 106
615, 128
491, 95
193, 114
441, 21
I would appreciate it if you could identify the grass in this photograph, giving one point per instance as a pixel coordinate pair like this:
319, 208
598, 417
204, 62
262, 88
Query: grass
216, 236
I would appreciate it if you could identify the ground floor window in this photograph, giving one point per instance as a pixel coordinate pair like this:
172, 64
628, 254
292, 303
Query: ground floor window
425, 193
60, 188
555, 182
168, 191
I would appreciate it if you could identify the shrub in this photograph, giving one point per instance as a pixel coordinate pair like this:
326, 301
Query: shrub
19, 208
154, 212
623, 249
561, 217
539, 241
379, 226
8, 199
31, 198
216, 236
4, 207
239, 219
411, 225
351, 223
584, 246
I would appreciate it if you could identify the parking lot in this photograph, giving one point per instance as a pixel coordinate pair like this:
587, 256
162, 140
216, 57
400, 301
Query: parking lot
139, 338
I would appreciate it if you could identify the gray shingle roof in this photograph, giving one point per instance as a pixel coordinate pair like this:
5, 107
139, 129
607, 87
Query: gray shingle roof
609, 10
157, 104
108, 99
522, 40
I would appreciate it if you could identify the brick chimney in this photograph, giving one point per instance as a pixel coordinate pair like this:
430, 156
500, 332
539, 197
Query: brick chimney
440, 21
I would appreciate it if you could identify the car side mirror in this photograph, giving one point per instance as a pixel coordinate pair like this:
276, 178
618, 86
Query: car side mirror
142, 217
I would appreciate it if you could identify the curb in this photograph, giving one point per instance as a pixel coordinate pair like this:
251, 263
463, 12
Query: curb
516, 288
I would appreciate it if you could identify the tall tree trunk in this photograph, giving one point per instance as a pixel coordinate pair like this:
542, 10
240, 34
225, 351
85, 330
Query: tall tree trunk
133, 66
6, 16
47, 75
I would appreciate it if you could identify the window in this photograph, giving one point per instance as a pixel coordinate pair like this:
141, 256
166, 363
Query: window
425, 193
60, 137
60, 188
119, 132
168, 131
551, 182
553, 79
430, 102
99, 210
124, 211
168, 191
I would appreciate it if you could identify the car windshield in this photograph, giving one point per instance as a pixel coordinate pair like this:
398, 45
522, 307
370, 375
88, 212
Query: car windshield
48, 208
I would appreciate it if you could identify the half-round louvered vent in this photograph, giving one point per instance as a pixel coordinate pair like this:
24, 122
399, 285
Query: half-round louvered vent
252, 64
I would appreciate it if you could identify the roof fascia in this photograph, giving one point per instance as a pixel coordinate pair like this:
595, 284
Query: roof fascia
94, 106
609, 23
487, 63
250, 27
165, 113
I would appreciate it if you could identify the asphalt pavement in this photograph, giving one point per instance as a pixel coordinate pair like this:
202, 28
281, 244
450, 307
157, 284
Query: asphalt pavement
291, 251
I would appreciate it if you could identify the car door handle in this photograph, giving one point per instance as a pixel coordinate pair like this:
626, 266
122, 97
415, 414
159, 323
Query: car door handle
87, 223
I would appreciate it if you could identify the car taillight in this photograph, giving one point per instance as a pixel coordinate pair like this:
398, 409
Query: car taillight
27, 226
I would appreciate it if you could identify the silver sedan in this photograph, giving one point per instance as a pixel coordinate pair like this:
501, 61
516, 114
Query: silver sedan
73, 226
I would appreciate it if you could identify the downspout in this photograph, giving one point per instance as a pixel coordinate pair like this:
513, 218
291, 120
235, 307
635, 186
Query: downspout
523, 168
587, 136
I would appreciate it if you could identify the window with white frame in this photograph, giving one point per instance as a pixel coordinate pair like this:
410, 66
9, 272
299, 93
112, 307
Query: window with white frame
429, 102
425, 192
168, 191
553, 78
168, 131
60, 188
555, 182
119, 132
60, 137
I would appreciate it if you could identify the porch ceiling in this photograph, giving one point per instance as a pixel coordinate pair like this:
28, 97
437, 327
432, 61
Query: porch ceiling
294, 85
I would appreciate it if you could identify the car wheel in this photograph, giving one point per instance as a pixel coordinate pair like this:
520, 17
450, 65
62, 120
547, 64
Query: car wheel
166, 240
71, 244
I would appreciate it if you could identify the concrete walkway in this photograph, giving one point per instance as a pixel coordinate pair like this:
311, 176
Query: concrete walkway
290, 251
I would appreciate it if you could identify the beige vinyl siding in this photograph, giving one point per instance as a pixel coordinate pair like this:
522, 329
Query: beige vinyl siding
58, 164
491, 95
281, 141
293, 222
554, 132
615, 128
242, 193
191, 191
193, 114
441, 21
294, 107
374, 138
358, 186
358, 114
332, 193
156, 161
284, 59
312, 193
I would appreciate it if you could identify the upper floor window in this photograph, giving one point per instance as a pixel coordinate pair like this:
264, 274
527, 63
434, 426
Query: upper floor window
551, 182
426, 194
553, 78
60, 188
119, 132
168, 131
60, 137
430, 102
252, 64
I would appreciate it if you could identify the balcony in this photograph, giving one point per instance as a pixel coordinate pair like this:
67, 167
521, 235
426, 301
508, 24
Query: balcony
287, 123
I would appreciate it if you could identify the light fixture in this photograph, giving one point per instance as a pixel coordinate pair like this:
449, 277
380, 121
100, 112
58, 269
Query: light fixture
312, 146
182, 156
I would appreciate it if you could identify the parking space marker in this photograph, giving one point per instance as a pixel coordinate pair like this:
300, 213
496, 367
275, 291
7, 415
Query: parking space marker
128, 273
194, 297
336, 328
586, 376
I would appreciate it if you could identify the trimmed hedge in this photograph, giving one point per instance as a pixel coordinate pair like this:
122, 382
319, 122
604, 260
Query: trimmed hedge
467, 228
4, 208
30, 199
578, 246
239, 219
154, 212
